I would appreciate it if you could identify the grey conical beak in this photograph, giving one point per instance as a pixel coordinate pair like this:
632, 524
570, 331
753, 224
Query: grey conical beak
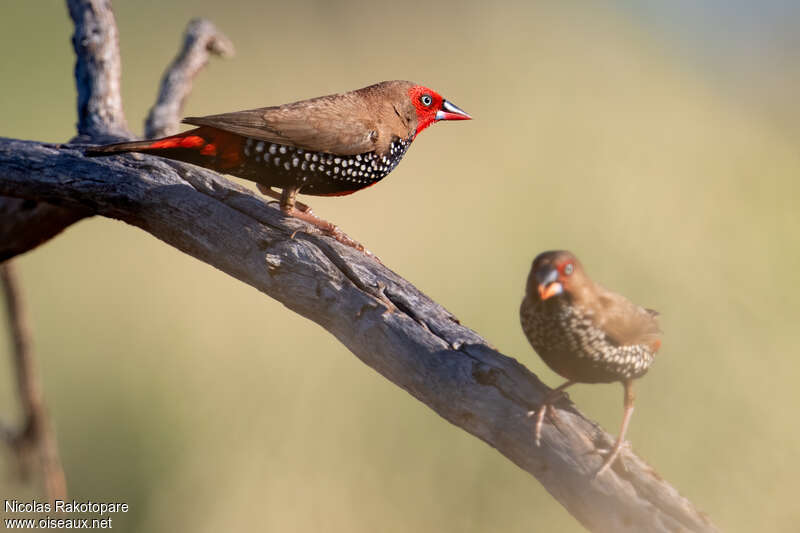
450, 111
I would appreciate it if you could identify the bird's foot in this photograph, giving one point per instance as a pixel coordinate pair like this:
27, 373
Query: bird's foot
329, 229
612, 455
291, 207
545, 408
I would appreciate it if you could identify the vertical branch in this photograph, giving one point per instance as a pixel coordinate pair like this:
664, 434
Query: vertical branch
97, 69
36, 434
100, 117
201, 40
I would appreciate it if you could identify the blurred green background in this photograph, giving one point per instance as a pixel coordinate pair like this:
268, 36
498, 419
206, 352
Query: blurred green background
658, 141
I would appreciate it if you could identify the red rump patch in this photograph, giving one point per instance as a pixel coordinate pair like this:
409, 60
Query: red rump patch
228, 146
210, 142
190, 141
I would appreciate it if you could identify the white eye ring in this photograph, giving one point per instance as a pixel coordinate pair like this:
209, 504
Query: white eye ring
568, 269
426, 100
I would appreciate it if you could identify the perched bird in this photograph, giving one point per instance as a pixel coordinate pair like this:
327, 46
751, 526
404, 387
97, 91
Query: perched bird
327, 146
586, 333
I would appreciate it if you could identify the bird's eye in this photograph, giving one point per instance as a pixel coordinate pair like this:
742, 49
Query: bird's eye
568, 269
426, 100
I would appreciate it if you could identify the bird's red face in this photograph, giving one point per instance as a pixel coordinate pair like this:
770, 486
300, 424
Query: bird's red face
431, 107
555, 272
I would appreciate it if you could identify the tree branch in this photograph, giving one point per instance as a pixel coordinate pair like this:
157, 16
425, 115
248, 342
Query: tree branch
201, 40
97, 70
380, 317
26, 225
36, 434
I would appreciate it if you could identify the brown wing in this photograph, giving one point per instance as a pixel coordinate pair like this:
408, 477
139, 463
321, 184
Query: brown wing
626, 323
345, 124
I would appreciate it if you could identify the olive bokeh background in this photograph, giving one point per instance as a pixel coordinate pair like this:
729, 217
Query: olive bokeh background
658, 141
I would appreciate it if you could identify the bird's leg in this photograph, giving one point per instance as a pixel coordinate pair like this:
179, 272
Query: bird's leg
626, 418
267, 191
290, 207
549, 399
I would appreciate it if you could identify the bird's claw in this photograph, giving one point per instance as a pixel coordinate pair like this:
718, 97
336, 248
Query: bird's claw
345, 239
612, 455
329, 229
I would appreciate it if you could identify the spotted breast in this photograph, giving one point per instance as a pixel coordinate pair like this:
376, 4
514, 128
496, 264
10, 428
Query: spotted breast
569, 341
316, 173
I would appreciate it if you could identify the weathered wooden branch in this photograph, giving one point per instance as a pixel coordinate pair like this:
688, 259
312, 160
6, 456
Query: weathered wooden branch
35, 436
25, 224
380, 317
98, 70
419, 346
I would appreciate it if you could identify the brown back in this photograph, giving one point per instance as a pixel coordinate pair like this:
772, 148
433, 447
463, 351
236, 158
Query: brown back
355, 122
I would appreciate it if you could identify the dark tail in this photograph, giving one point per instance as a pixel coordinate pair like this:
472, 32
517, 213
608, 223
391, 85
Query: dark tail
108, 149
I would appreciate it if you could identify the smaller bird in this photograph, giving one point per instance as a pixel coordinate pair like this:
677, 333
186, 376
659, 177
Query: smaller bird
326, 146
586, 333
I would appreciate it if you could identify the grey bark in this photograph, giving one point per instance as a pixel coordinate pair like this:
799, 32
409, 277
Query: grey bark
98, 70
25, 224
